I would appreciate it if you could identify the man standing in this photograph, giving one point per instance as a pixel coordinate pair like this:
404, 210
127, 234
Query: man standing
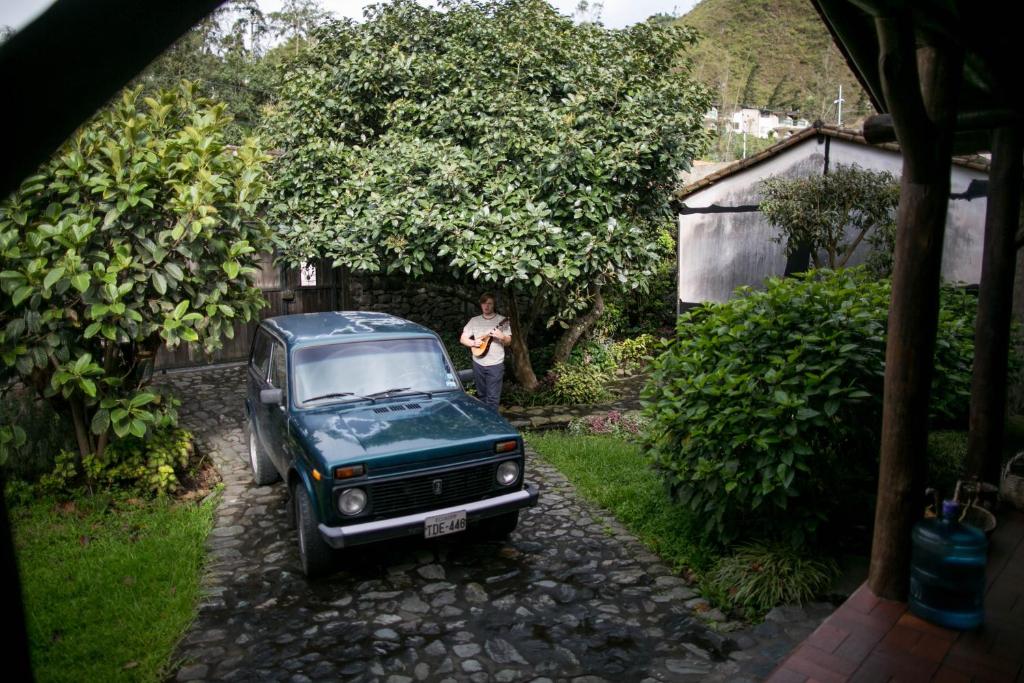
488, 331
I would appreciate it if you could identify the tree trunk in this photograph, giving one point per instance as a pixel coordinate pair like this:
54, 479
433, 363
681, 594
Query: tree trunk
920, 91
995, 300
81, 428
520, 351
578, 327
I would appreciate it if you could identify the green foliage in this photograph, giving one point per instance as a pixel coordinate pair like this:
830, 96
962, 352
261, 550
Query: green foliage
730, 146
491, 141
760, 576
630, 312
109, 587
595, 352
631, 355
31, 434
578, 383
820, 211
150, 466
141, 230
229, 57
766, 409
954, 358
947, 460
616, 475
800, 68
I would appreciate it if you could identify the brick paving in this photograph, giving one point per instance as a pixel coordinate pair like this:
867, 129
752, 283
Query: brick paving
872, 640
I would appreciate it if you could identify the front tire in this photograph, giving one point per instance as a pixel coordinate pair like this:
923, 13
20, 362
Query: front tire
317, 557
263, 471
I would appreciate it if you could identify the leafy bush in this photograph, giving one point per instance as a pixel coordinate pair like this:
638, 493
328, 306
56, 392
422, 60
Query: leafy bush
831, 213
31, 434
954, 357
631, 354
766, 409
597, 352
142, 230
631, 312
613, 423
574, 383
758, 577
947, 458
148, 466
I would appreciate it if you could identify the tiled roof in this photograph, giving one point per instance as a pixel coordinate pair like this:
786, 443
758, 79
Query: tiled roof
977, 163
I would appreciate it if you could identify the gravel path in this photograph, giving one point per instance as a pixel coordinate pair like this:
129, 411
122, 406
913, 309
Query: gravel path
571, 596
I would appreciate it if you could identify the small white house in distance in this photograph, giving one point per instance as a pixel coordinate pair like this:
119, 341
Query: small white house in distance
726, 242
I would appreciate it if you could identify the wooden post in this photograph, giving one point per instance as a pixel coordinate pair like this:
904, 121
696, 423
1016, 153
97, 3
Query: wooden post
995, 300
920, 93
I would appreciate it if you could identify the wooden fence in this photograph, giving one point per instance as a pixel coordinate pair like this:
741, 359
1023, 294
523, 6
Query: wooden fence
286, 294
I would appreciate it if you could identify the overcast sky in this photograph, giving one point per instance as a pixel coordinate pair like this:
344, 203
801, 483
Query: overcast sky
616, 13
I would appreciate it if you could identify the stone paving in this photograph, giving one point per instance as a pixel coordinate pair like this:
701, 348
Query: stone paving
571, 596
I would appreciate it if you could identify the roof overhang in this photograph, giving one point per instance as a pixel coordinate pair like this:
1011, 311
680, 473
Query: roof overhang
989, 94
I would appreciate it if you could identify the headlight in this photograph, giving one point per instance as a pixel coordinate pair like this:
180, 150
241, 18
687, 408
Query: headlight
352, 501
508, 472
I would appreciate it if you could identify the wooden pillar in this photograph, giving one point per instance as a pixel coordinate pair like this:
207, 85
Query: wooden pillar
920, 93
995, 300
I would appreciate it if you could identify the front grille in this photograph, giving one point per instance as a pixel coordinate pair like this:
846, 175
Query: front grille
416, 494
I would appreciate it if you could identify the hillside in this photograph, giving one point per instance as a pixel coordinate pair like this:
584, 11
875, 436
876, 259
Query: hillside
773, 54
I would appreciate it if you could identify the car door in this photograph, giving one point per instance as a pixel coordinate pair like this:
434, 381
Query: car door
259, 372
276, 416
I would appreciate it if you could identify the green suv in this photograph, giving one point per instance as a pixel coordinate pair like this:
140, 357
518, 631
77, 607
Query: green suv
366, 421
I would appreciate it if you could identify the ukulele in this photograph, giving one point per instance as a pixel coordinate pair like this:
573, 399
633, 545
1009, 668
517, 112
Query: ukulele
481, 351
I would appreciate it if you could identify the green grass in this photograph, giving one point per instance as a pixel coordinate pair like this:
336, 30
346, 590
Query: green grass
614, 474
109, 587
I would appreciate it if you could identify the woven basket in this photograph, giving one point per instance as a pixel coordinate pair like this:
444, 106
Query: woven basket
1011, 488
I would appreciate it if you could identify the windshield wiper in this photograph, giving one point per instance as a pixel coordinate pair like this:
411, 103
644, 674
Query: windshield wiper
336, 394
386, 392
404, 391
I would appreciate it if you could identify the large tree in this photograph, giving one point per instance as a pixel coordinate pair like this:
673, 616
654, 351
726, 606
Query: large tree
493, 144
833, 213
141, 230
232, 55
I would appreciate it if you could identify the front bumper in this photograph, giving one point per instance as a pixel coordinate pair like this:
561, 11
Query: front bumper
412, 525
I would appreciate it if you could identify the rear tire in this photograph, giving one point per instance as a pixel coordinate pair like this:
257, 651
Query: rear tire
316, 557
500, 527
263, 471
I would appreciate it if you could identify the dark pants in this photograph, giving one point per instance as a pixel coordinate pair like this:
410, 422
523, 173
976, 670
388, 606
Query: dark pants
488, 379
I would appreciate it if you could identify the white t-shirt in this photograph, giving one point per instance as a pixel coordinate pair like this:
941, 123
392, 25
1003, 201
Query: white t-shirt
478, 327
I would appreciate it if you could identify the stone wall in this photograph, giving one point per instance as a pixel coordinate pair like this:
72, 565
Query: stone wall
439, 309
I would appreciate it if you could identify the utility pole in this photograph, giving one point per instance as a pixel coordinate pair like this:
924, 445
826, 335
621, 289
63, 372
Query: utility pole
839, 121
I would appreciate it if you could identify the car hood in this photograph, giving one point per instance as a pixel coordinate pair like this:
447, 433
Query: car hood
401, 432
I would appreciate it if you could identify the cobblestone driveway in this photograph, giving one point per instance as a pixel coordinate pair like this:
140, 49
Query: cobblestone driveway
570, 597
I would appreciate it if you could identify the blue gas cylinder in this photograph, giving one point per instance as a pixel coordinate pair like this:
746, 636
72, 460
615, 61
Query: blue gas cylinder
947, 571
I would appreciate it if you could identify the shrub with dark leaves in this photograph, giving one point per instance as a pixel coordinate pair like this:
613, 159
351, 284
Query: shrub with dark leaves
766, 410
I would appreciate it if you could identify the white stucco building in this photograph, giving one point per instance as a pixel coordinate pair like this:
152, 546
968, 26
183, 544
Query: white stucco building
725, 241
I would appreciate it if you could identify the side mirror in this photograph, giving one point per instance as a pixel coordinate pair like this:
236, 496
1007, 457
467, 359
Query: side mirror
466, 376
271, 397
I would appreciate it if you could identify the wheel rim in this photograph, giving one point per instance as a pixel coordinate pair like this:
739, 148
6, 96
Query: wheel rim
252, 448
300, 516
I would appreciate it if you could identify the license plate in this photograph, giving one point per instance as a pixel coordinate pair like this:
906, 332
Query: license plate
439, 525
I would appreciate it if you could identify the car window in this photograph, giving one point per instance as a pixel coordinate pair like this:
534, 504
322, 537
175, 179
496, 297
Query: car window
260, 360
363, 368
278, 368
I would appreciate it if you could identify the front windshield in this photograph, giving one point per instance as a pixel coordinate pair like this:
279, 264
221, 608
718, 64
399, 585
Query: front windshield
358, 369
